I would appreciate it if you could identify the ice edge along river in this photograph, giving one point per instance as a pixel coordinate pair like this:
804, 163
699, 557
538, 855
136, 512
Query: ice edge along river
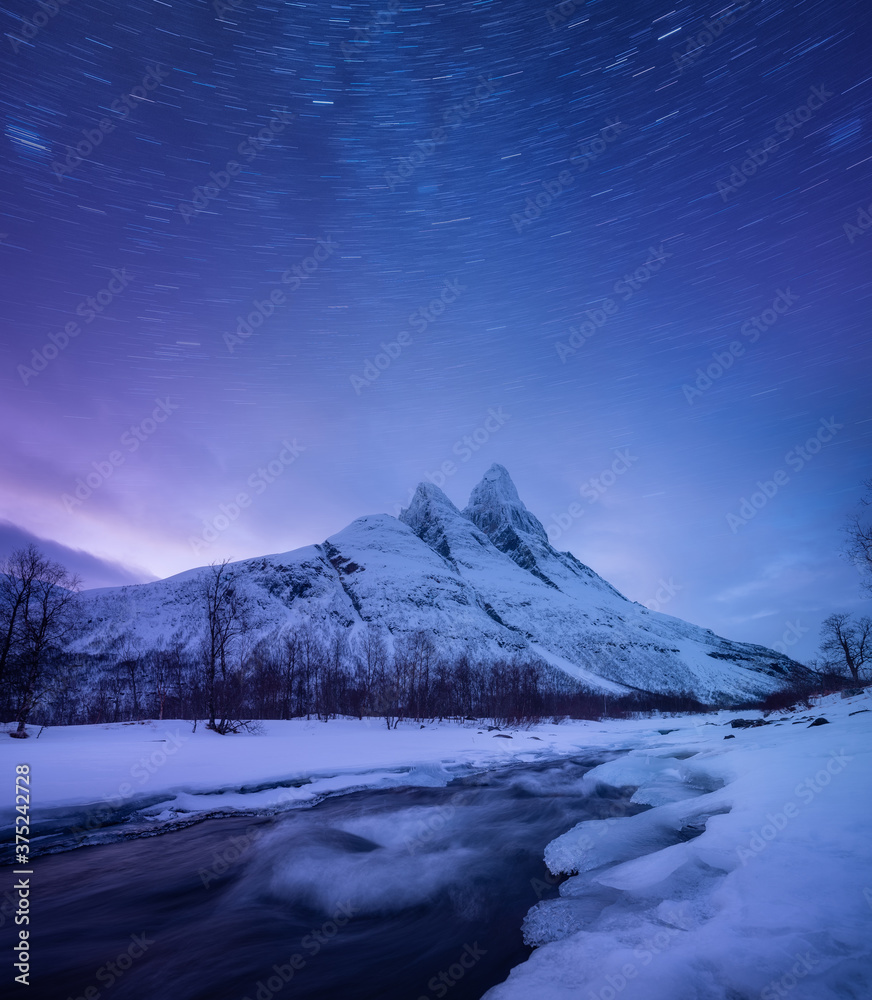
772, 893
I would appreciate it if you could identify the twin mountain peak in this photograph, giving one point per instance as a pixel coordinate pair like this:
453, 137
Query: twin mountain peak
484, 582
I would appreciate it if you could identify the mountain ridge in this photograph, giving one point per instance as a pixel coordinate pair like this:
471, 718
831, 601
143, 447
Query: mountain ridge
484, 581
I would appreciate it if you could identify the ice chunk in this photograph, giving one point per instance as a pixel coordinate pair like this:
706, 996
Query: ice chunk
647, 870
556, 919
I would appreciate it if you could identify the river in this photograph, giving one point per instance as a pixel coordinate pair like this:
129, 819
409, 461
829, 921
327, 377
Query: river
395, 894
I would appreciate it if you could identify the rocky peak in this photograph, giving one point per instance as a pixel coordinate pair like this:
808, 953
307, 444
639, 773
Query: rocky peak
494, 506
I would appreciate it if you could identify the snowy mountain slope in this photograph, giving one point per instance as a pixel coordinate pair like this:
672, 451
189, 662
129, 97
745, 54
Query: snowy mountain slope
495, 507
484, 581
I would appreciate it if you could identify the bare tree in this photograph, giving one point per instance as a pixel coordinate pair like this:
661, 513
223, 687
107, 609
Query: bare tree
311, 663
859, 531
130, 663
290, 671
18, 573
848, 640
414, 657
369, 662
166, 663
68, 692
39, 613
227, 619
180, 669
333, 679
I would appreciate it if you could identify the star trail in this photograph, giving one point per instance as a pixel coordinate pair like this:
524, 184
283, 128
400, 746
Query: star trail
621, 248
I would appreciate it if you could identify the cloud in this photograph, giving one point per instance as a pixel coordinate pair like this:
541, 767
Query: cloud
95, 572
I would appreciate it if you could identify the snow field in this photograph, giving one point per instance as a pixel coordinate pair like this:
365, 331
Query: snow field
750, 875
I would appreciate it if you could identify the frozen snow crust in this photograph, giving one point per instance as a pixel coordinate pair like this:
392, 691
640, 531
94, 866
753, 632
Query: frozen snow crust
483, 582
750, 875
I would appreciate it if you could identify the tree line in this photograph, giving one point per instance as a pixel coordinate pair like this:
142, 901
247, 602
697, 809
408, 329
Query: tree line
226, 677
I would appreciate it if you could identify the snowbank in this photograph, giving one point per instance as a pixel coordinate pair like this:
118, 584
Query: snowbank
88, 778
751, 876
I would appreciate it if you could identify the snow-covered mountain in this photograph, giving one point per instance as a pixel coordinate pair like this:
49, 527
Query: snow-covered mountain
484, 581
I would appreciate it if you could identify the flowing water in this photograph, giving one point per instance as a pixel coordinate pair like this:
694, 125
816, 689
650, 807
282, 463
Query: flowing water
406, 893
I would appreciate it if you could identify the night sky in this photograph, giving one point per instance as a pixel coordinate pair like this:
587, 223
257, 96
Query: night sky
340, 238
